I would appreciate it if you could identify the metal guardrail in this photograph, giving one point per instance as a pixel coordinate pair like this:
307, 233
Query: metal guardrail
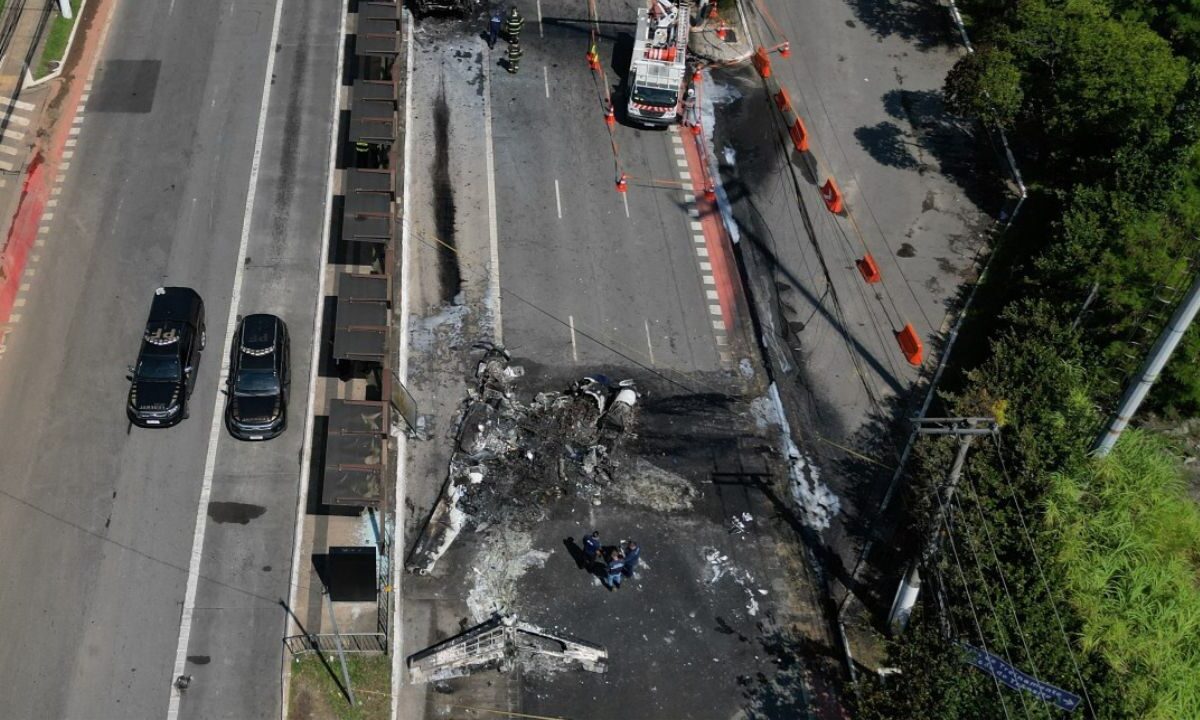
361, 643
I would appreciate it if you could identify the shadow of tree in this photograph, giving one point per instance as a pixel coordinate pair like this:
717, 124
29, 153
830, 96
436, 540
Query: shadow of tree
926, 25
887, 144
806, 681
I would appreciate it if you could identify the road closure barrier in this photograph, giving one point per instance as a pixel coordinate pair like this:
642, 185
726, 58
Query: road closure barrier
868, 268
762, 63
799, 134
910, 345
832, 196
783, 101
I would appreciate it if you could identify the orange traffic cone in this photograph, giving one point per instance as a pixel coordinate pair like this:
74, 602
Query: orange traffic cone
610, 119
721, 31
622, 186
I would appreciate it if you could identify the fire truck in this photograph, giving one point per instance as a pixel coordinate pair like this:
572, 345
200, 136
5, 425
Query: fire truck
659, 66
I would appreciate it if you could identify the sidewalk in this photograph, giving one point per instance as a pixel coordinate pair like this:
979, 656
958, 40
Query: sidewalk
706, 43
26, 132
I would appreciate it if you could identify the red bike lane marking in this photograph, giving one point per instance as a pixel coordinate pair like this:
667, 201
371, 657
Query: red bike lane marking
23, 230
716, 238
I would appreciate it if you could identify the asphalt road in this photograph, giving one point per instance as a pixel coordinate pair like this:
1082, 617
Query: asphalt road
630, 283
866, 78
97, 518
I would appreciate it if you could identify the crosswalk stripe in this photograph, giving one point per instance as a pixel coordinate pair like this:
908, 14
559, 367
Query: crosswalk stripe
8, 150
20, 104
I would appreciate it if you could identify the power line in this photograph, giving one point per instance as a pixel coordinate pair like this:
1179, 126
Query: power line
998, 442
970, 601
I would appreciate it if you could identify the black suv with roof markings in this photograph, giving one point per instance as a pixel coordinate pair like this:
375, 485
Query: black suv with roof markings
165, 374
258, 379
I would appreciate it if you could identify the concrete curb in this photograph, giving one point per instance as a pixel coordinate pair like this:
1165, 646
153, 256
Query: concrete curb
30, 82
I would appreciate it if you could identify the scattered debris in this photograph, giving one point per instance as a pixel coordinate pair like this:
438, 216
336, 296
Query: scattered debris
511, 459
503, 558
719, 567
500, 644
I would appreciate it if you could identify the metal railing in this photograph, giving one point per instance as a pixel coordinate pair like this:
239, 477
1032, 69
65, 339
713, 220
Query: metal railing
326, 643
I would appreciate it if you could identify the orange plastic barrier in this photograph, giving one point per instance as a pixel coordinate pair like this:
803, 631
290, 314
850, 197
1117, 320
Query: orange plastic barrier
593, 60
783, 101
910, 345
799, 135
868, 268
761, 62
832, 196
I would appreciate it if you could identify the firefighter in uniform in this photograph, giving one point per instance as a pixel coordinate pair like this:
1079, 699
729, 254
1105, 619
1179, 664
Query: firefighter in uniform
514, 25
514, 55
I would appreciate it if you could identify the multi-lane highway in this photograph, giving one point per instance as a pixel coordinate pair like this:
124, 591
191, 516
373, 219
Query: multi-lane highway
195, 109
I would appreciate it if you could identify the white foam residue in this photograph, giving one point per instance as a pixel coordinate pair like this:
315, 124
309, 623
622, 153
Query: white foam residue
818, 504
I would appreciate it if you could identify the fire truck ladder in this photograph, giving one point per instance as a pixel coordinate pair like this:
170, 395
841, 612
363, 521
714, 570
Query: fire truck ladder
499, 644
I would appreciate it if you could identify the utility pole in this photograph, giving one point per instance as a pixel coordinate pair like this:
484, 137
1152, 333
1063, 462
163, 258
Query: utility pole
1151, 367
64, 9
966, 429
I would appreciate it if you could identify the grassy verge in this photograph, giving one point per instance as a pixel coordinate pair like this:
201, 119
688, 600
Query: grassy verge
57, 38
315, 695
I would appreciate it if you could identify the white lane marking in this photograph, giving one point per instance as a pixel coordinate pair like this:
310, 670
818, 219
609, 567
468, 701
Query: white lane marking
625, 199
546, 79
402, 440
74, 130
557, 198
72, 142
689, 197
702, 251
314, 358
681, 162
712, 294
714, 310
19, 302
693, 211
685, 176
699, 239
494, 268
68, 154
574, 347
718, 325
5, 165
649, 345
721, 339
679, 150
539, 9
214, 432
706, 266
9, 150
697, 226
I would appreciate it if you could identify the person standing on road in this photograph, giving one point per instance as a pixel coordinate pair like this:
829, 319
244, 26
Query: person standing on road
514, 56
591, 546
512, 28
633, 553
616, 570
494, 28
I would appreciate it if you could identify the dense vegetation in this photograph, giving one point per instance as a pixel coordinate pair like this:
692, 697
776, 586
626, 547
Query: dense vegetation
1082, 573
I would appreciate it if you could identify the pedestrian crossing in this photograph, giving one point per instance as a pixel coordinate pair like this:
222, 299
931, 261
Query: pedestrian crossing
15, 119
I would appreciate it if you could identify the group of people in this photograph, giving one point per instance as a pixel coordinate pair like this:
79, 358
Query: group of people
512, 33
614, 563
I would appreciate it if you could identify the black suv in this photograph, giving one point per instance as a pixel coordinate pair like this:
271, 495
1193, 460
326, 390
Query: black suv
165, 373
258, 379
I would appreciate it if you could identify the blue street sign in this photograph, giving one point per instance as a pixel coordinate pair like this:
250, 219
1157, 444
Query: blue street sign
1018, 680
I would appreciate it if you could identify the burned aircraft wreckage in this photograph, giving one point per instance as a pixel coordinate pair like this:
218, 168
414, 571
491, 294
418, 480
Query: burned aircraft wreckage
511, 458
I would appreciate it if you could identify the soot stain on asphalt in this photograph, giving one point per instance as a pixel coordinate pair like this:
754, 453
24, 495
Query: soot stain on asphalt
234, 512
449, 275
